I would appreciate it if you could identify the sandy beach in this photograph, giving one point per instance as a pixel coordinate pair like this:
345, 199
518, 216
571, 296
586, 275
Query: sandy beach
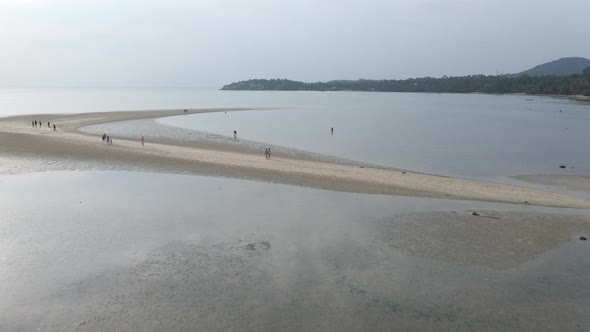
18, 137
570, 181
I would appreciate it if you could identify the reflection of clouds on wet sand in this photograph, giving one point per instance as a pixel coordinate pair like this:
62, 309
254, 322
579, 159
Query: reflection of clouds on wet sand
145, 251
228, 286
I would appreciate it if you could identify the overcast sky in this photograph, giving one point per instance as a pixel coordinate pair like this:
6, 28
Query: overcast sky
208, 43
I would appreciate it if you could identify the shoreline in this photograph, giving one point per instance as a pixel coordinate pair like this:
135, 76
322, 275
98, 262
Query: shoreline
580, 98
19, 138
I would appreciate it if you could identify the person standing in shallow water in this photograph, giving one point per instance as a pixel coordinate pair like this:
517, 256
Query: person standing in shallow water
54, 128
48, 125
332, 131
235, 135
104, 136
142, 140
269, 153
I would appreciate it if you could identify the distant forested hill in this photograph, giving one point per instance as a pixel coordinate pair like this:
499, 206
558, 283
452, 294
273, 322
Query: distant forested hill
558, 85
561, 67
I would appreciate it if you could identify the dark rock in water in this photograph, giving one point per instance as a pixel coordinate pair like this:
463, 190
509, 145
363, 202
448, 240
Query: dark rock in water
403, 172
583, 238
362, 166
562, 166
526, 202
475, 214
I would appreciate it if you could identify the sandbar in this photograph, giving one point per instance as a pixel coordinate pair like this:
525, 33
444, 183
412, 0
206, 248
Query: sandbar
18, 137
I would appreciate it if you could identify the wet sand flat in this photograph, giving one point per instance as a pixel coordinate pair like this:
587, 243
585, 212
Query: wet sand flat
73, 257
18, 137
464, 238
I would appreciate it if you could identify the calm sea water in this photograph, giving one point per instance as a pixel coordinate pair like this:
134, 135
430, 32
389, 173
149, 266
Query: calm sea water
477, 136
39, 101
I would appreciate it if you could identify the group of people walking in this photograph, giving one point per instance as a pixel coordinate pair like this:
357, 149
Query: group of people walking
39, 124
107, 139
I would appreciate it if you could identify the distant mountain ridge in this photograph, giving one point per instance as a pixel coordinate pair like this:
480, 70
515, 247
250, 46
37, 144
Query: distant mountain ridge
560, 67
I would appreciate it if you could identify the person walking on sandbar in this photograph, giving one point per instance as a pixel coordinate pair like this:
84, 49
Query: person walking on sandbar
54, 128
142, 140
104, 136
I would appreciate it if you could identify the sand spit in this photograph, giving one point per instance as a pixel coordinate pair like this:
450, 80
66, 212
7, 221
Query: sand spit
17, 137
567, 181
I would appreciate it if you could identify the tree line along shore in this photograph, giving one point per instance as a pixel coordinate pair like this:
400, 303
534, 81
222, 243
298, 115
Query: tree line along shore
576, 84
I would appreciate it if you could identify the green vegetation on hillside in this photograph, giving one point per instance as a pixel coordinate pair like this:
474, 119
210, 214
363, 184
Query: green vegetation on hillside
557, 85
560, 67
